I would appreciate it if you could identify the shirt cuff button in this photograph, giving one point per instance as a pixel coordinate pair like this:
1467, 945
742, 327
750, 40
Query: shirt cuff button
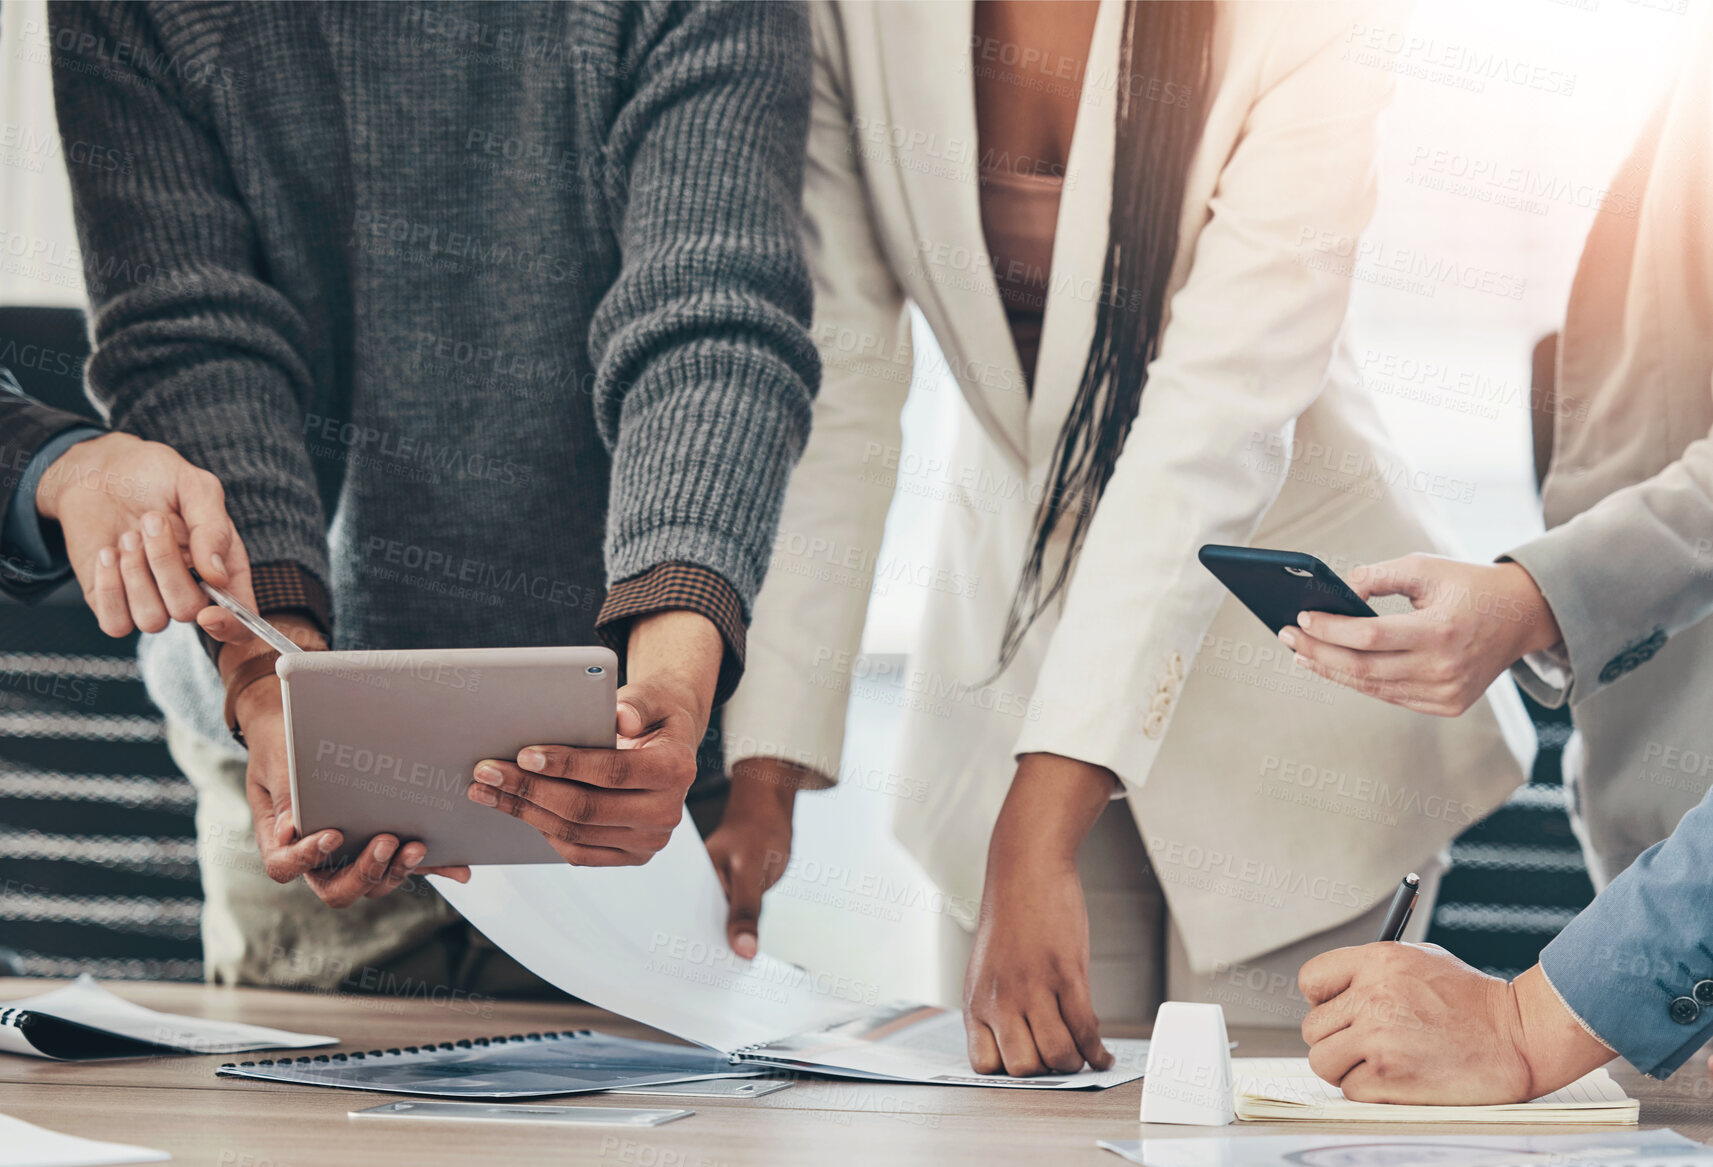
1684, 1010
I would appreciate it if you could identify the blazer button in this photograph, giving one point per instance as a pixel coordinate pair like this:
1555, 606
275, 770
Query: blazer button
1684, 1010
1703, 992
1155, 724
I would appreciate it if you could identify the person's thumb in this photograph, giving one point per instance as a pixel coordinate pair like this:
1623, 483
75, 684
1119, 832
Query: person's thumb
640, 709
1405, 576
223, 626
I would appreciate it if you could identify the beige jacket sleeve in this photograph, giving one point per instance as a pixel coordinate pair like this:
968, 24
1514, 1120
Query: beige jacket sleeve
808, 623
1623, 577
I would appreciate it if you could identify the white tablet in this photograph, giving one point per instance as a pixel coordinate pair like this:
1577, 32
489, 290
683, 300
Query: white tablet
386, 741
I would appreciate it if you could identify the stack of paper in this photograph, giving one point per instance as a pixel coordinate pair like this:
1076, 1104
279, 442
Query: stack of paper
1285, 1089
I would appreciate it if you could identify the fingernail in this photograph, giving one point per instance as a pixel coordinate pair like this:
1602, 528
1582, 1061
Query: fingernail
489, 773
130, 541
486, 795
152, 523
329, 843
1289, 637
532, 759
108, 559
384, 850
219, 563
412, 858
1303, 619
745, 946
1302, 660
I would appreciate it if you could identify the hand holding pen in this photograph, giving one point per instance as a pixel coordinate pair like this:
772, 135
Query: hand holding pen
1403, 903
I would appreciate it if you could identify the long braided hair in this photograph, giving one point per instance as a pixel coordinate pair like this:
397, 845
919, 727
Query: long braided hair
1163, 69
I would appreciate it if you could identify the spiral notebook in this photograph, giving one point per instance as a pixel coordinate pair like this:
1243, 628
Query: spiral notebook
83, 1021
523, 1065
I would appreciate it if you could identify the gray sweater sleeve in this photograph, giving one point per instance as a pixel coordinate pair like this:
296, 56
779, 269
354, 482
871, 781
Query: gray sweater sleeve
704, 367
192, 347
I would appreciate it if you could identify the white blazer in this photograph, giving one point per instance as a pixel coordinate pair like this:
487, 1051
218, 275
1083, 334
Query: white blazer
1273, 805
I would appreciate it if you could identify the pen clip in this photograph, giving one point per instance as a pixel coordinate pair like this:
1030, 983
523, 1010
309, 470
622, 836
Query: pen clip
272, 636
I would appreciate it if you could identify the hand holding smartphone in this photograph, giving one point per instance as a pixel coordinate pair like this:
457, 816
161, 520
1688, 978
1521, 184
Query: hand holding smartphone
1277, 585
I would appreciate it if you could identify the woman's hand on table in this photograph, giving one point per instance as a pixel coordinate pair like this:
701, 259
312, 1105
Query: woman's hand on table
1027, 1008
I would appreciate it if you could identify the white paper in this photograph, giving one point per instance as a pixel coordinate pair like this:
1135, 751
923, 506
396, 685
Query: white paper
87, 1003
23, 1144
649, 943
924, 1043
1623, 1149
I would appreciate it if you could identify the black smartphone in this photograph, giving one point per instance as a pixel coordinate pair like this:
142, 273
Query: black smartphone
1276, 585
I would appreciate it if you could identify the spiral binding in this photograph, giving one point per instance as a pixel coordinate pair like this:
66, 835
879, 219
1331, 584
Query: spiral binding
404, 1051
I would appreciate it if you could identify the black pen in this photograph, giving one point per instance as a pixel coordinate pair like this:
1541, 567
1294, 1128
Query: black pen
1402, 905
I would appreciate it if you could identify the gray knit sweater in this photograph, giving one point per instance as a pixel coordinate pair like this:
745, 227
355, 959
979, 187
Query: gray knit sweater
451, 297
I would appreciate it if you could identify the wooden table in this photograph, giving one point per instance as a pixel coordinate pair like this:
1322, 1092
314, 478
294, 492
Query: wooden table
177, 1104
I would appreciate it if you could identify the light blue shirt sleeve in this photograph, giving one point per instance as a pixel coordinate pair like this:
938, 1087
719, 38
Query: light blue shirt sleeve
23, 543
1637, 965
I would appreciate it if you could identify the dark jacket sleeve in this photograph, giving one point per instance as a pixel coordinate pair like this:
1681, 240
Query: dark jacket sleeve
705, 370
192, 346
26, 426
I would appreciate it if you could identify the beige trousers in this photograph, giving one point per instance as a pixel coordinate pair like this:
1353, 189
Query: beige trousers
1137, 959
258, 932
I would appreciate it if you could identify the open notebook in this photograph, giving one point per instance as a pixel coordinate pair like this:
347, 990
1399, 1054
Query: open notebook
649, 943
1275, 1089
